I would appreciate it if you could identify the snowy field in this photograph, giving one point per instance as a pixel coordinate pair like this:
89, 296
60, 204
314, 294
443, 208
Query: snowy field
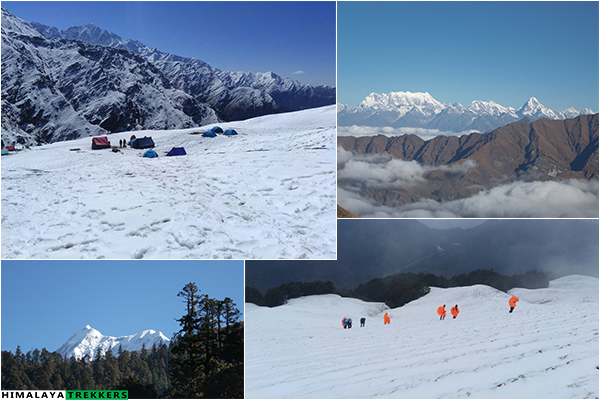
547, 348
267, 193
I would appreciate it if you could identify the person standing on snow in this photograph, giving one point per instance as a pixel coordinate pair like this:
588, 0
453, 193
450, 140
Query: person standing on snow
362, 321
345, 322
386, 319
454, 311
442, 312
512, 303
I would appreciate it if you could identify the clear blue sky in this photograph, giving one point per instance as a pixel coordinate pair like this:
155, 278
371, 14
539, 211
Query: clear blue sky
464, 51
283, 37
45, 302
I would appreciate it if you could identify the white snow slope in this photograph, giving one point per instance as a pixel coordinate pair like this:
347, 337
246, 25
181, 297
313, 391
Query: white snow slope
547, 348
88, 340
269, 192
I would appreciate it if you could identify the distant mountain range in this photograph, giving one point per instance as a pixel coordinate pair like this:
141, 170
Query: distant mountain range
88, 340
538, 151
371, 248
84, 81
421, 110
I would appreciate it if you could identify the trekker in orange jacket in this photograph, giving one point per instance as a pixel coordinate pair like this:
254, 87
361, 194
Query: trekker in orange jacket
454, 311
512, 303
442, 312
386, 319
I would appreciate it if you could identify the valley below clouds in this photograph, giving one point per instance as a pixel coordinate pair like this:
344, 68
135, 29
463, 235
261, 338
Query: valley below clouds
565, 199
543, 169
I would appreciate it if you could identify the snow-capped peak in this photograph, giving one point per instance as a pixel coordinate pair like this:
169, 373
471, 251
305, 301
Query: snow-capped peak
490, 108
402, 103
88, 340
533, 108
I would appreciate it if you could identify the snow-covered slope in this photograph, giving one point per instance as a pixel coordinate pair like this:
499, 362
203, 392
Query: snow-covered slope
421, 110
88, 340
267, 193
547, 348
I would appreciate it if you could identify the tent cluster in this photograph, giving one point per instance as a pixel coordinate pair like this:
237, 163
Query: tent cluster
6, 150
138, 143
217, 129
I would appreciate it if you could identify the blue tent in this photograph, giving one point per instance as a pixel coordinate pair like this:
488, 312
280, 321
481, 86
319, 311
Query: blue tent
143, 143
217, 129
209, 134
177, 151
150, 154
230, 132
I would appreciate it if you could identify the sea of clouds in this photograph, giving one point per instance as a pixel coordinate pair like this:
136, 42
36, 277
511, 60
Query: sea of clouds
538, 199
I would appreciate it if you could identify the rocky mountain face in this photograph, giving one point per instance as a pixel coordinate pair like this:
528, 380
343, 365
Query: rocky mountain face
234, 95
88, 340
343, 213
375, 248
58, 89
421, 110
85, 81
541, 150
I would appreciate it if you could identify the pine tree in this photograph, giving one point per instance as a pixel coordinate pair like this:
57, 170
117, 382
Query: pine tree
186, 366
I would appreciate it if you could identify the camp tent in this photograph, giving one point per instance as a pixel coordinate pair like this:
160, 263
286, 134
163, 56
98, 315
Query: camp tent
177, 151
143, 143
150, 154
100, 143
4, 152
209, 134
217, 129
230, 132
10, 148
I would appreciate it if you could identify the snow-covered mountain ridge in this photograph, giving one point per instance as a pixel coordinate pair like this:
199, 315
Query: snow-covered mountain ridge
88, 340
547, 348
85, 81
421, 110
232, 94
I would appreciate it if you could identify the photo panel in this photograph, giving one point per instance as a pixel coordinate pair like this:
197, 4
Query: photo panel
155, 329
468, 109
148, 135
430, 309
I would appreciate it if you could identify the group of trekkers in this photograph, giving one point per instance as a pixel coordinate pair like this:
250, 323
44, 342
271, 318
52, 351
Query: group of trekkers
442, 311
347, 322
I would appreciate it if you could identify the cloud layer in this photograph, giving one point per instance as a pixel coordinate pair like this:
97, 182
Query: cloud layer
564, 199
384, 172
